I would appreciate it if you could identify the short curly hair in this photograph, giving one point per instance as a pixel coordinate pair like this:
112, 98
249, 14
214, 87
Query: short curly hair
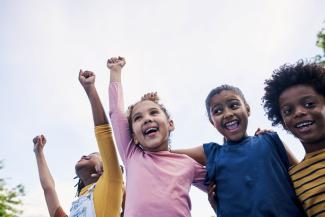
288, 75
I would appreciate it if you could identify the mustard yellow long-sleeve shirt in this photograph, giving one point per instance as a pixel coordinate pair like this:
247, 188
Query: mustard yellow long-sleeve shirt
108, 192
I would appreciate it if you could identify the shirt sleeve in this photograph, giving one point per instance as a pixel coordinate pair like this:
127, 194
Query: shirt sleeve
211, 151
119, 120
108, 192
199, 178
279, 147
60, 213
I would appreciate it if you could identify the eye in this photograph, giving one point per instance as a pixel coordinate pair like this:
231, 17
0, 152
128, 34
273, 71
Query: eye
136, 118
234, 105
286, 111
217, 110
309, 104
154, 112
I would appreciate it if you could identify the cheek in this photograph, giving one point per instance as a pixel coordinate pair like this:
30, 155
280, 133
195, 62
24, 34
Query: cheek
286, 123
216, 122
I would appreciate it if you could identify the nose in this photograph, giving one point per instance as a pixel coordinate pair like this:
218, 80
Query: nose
227, 113
147, 118
299, 111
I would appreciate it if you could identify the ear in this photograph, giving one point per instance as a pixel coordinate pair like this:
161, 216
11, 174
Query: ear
248, 110
171, 125
135, 140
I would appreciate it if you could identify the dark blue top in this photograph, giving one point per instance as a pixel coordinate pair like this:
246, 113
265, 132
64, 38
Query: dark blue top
252, 178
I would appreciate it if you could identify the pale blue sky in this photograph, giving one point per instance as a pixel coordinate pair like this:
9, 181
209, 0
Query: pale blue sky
181, 49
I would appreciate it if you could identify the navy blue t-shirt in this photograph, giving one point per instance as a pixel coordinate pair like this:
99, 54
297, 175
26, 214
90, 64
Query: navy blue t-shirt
252, 178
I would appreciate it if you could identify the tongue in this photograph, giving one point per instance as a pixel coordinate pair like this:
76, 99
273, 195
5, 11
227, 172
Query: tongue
232, 126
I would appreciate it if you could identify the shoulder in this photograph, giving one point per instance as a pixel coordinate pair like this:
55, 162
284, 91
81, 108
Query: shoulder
211, 148
271, 137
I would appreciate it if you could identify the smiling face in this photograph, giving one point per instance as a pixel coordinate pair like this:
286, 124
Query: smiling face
150, 126
303, 114
229, 114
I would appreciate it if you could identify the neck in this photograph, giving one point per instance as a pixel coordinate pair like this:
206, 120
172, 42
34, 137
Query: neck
86, 177
315, 146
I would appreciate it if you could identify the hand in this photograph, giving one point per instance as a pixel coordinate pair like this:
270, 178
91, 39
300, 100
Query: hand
259, 131
152, 96
99, 170
116, 63
39, 143
211, 195
86, 78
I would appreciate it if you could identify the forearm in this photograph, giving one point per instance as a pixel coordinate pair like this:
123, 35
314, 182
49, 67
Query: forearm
115, 75
98, 111
47, 183
45, 176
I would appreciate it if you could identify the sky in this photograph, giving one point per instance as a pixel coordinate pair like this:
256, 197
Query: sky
182, 49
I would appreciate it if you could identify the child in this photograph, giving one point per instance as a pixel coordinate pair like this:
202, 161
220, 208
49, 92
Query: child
295, 98
142, 138
99, 195
250, 173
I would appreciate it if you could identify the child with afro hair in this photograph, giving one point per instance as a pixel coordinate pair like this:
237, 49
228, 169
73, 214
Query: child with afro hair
295, 98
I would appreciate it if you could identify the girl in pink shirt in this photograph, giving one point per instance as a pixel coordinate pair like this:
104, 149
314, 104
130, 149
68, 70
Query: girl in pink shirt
157, 181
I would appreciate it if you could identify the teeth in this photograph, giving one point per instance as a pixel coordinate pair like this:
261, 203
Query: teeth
150, 130
303, 124
230, 123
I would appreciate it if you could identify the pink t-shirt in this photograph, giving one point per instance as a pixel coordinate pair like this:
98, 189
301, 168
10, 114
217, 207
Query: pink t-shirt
157, 183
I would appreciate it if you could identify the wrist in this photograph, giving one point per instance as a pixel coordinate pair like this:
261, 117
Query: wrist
116, 70
38, 153
89, 87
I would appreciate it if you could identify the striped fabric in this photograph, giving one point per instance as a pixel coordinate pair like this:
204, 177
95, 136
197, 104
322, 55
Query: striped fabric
308, 178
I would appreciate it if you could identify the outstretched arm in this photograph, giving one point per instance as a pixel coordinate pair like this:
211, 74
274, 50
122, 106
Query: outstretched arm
45, 176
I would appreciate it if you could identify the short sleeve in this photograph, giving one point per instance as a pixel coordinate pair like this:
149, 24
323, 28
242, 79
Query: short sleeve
211, 151
279, 147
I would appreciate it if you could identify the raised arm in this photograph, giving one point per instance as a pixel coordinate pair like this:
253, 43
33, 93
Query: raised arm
45, 176
87, 80
108, 192
116, 106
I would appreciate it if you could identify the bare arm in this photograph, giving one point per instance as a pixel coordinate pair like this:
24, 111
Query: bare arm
45, 176
87, 80
292, 159
196, 153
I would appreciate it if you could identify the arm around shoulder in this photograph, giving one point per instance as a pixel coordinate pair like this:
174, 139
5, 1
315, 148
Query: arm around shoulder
196, 153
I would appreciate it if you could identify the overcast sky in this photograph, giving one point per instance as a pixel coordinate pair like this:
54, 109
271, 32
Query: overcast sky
180, 48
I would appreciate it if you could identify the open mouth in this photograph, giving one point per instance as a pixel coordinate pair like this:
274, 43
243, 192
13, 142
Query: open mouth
304, 124
231, 125
150, 131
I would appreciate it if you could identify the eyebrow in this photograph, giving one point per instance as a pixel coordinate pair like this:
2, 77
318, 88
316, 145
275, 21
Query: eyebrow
150, 109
